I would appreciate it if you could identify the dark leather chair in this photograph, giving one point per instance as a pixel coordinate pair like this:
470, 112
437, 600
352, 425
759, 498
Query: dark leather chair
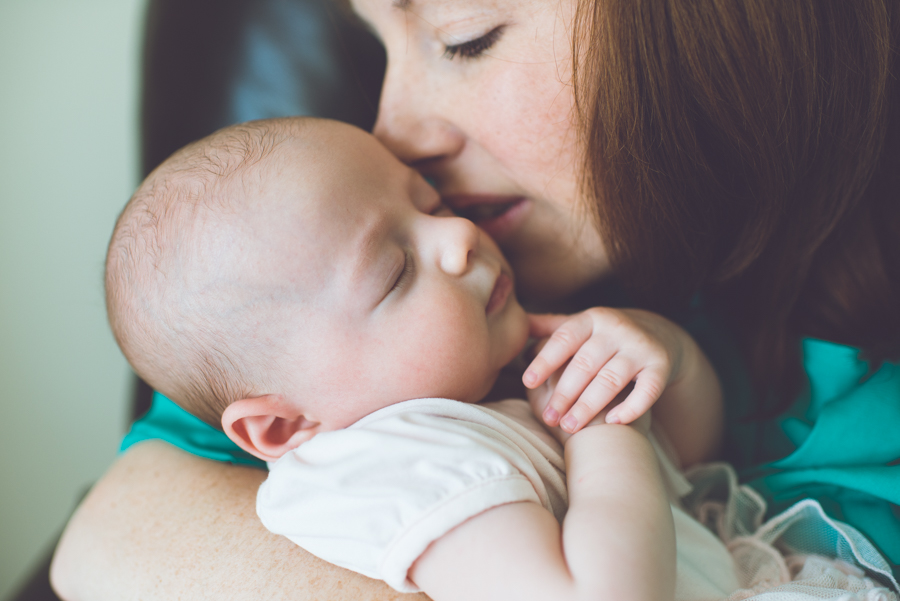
211, 63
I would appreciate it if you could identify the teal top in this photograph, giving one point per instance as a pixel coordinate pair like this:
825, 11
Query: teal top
839, 443
169, 422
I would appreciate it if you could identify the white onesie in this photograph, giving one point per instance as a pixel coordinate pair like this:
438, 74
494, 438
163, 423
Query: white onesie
373, 496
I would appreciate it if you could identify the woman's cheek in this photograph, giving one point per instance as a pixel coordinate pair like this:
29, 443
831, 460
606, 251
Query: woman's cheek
528, 127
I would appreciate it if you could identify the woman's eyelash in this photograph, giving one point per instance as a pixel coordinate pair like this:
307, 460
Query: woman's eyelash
405, 275
474, 48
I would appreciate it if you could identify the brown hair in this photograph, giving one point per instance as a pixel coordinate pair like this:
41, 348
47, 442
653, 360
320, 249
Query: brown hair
750, 150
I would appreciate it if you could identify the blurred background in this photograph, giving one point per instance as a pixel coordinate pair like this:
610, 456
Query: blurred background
68, 162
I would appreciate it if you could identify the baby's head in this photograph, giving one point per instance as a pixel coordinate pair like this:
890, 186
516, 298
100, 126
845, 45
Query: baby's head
288, 277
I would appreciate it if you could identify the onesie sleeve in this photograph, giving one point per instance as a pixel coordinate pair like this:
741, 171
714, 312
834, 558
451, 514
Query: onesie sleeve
372, 498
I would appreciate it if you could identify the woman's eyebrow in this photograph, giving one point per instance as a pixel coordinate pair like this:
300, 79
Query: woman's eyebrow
402, 4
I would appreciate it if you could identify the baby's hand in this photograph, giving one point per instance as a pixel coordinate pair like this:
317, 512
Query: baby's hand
539, 399
606, 350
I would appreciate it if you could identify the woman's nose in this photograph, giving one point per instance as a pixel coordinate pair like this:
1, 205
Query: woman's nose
458, 244
411, 122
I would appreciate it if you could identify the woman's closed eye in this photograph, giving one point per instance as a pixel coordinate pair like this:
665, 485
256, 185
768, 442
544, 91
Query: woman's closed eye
474, 48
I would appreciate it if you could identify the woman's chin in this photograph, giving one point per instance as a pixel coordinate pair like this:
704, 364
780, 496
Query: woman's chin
556, 291
536, 287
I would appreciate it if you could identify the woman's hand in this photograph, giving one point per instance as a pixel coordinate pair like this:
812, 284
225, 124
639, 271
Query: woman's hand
593, 356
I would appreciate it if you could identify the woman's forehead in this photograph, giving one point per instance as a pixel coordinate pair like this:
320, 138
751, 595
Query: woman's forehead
434, 12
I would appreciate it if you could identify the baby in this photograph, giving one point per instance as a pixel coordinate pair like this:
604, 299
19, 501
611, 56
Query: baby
293, 283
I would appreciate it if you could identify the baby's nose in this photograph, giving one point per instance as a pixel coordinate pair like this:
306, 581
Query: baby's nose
460, 243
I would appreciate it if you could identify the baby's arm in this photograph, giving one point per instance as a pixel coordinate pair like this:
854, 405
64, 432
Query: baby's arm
690, 409
617, 540
593, 356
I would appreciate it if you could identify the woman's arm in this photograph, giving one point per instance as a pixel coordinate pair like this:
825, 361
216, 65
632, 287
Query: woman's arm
163, 524
617, 540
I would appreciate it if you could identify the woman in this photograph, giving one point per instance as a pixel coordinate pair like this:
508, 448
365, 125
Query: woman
737, 158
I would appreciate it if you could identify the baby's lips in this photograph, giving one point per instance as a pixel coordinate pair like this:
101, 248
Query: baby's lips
500, 294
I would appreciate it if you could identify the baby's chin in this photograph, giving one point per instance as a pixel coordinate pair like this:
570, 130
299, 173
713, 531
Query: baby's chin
507, 385
516, 335
466, 390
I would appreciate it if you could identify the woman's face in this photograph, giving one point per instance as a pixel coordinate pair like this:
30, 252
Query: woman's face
478, 97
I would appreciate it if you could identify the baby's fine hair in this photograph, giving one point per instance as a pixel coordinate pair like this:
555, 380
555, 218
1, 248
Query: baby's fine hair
179, 334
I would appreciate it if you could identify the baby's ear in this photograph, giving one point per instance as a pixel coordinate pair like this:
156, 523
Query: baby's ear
267, 426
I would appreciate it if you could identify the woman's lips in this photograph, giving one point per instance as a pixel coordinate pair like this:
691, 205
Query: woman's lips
497, 215
500, 294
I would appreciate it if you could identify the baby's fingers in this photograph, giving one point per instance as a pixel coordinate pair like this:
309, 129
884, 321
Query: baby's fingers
559, 348
648, 386
580, 395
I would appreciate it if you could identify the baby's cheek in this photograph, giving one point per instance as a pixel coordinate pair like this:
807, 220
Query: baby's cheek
449, 359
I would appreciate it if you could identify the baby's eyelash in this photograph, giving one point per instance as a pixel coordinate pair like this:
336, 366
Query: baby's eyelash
405, 275
474, 48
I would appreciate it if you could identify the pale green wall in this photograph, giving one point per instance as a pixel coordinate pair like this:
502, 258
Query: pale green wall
68, 73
